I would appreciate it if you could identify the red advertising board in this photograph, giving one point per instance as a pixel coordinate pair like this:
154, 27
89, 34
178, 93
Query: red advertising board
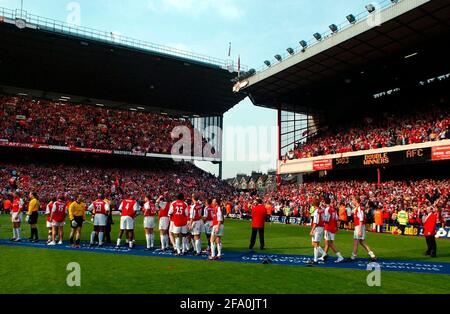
440, 153
324, 164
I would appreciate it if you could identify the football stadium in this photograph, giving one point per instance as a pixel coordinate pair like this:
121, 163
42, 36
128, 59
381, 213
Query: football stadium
102, 140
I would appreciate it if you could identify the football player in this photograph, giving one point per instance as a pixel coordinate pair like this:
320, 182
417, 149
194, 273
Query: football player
196, 225
179, 213
217, 231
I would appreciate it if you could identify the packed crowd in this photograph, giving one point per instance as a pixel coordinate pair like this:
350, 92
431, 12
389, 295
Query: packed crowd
52, 180
386, 131
290, 200
37, 121
390, 197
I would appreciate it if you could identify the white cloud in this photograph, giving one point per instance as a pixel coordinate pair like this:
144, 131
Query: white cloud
225, 8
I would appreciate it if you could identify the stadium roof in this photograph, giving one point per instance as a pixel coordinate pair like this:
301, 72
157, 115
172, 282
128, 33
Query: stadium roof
360, 60
50, 59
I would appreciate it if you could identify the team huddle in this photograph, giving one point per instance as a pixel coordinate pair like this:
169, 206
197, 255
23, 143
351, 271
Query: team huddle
180, 225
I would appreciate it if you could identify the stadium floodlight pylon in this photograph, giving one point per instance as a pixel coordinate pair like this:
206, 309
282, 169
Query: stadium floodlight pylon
267, 63
290, 51
318, 36
279, 58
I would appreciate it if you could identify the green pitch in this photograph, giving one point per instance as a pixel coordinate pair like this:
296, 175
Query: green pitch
25, 270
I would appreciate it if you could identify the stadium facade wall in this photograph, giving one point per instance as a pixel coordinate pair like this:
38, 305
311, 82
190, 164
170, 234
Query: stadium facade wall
326, 162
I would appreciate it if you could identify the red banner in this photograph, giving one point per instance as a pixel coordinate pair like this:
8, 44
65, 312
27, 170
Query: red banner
440, 153
324, 164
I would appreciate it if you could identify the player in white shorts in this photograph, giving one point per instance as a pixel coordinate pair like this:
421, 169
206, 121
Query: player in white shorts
129, 208
217, 231
100, 210
331, 219
16, 216
316, 233
149, 221
48, 223
208, 214
179, 213
359, 234
196, 225
164, 221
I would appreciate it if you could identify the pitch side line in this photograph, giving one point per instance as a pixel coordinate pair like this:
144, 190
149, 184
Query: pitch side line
252, 258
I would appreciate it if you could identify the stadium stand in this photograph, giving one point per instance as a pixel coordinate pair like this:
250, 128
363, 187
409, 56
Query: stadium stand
37, 121
387, 130
415, 196
52, 179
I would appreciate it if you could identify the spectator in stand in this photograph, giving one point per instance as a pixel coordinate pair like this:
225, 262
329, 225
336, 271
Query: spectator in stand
25, 120
387, 130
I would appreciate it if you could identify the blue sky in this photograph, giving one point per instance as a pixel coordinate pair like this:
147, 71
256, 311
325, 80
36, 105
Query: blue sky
258, 29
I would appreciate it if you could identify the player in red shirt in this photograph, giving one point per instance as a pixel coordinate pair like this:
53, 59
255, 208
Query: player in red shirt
48, 212
208, 214
149, 221
217, 231
331, 220
318, 224
196, 225
359, 236
58, 217
16, 216
128, 207
100, 211
179, 213
163, 209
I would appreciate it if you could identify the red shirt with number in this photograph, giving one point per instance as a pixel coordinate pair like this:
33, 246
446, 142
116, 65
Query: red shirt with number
208, 214
196, 211
179, 213
100, 207
149, 209
59, 211
128, 208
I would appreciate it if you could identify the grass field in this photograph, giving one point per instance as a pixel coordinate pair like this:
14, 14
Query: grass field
27, 270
